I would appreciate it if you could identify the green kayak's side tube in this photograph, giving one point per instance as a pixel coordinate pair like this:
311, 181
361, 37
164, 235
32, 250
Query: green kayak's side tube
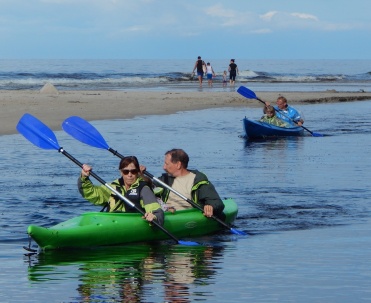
99, 228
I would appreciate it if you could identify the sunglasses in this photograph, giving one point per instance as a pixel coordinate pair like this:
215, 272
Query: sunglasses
127, 171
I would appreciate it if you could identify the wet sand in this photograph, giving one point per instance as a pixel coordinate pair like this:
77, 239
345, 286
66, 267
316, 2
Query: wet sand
52, 108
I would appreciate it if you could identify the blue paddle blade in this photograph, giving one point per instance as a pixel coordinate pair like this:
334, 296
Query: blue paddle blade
37, 132
238, 232
188, 243
83, 131
244, 91
317, 135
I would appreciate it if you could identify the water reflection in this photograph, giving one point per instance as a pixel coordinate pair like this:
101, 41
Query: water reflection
273, 143
129, 273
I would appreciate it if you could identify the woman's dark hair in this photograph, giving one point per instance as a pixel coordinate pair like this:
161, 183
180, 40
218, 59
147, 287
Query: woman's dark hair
127, 160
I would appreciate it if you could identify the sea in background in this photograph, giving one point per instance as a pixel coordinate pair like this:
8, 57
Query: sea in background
160, 75
304, 202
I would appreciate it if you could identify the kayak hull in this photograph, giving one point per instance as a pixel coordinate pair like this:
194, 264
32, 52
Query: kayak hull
102, 228
261, 130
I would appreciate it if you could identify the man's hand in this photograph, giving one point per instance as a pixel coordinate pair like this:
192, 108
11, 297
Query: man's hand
208, 211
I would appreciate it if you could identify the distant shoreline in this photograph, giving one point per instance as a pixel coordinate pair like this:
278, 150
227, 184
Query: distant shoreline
53, 108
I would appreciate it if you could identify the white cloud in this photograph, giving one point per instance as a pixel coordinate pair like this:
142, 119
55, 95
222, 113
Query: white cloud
281, 21
304, 16
229, 17
268, 16
219, 11
285, 16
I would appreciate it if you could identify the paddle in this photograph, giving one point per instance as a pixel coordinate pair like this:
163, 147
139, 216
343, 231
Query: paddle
42, 136
83, 131
244, 91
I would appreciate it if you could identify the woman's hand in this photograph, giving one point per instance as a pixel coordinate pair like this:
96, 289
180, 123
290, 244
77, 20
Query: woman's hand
149, 217
85, 172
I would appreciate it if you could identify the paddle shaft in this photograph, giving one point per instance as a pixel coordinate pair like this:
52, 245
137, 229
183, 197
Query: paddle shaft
116, 153
123, 198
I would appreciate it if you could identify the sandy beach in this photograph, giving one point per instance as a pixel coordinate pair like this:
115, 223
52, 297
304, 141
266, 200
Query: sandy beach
53, 108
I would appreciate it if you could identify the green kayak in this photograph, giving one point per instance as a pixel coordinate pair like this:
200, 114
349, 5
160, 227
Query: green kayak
100, 228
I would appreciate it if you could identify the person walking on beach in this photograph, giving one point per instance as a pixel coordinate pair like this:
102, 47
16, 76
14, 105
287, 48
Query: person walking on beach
199, 65
209, 74
233, 71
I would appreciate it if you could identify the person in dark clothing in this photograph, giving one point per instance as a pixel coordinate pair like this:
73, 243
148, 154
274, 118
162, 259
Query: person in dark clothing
201, 69
233, 71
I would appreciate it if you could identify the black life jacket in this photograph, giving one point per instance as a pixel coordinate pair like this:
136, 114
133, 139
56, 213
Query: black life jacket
133, 194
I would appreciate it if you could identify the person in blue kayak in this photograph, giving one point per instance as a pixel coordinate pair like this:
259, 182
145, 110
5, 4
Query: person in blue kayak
131, 184
286, 112
271, 118
190, 183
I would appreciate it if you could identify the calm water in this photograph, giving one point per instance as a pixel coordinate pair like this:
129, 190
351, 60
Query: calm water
304, 203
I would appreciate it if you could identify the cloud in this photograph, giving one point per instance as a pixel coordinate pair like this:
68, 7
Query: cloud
282, 21
277, 16
228, 17
262, 31
304, 16
268, 16
219, 11
136, 28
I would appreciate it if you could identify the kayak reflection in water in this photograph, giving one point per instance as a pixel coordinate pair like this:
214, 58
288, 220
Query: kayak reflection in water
137, 276
131, 273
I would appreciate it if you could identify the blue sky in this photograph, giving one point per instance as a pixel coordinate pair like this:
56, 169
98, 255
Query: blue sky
160, 29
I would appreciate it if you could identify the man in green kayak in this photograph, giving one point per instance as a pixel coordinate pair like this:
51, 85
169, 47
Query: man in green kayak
190, 183
131, 185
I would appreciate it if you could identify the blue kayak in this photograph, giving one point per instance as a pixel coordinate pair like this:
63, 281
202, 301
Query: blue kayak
261, 130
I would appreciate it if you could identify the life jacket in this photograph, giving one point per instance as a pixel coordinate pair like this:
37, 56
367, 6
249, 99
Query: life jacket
133, 194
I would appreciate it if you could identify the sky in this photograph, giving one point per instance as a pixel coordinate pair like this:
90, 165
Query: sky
173, 29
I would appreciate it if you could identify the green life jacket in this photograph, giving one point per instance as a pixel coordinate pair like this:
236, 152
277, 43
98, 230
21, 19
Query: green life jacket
133, 194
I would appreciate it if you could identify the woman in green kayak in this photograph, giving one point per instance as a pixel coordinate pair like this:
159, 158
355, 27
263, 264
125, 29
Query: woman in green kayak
131, 185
